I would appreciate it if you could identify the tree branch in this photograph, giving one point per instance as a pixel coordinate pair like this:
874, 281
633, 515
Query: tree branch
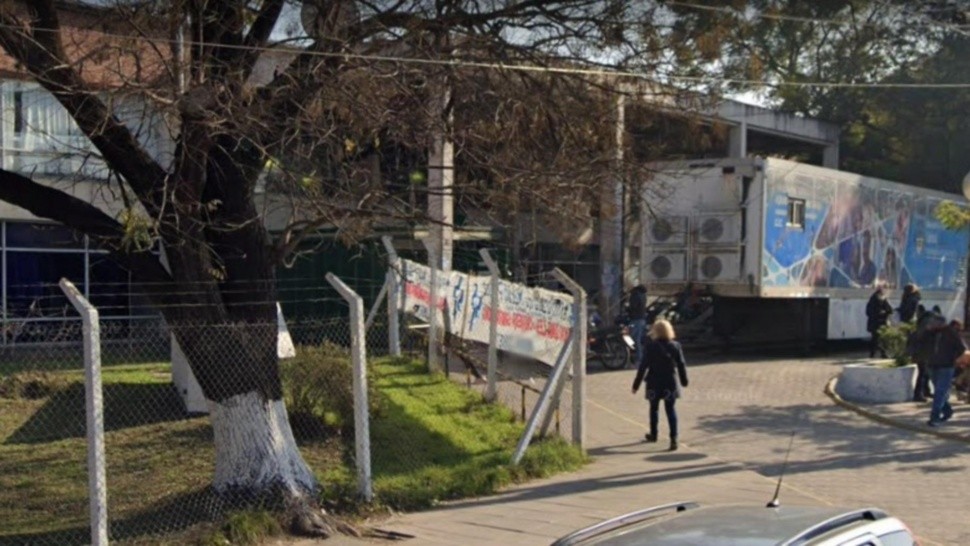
258, 36
53, 204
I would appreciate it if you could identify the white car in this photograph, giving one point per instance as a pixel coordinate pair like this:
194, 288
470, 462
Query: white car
689, 524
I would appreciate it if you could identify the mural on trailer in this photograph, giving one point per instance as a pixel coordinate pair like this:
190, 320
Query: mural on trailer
857, 235
532, 322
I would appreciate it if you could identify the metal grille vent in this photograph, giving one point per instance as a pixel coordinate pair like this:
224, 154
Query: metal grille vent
712, 229
661, 230
711, 267
661, 267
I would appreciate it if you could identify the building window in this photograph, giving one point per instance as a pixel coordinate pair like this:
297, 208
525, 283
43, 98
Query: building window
31, 279
19, 123
34, 236
796, 213
40, 136
35, 257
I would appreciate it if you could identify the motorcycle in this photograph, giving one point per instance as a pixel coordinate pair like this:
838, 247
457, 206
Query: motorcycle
613, 346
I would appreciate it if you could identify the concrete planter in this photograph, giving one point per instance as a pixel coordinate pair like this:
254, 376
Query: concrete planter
874, 383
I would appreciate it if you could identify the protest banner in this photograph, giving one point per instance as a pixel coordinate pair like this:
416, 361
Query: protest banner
532, 322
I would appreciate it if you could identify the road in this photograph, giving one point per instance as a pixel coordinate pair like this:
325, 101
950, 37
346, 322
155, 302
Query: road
745, 412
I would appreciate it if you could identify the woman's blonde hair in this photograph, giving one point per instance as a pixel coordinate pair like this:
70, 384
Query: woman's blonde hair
662, 329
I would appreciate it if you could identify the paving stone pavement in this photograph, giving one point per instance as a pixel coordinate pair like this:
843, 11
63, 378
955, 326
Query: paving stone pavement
737, 419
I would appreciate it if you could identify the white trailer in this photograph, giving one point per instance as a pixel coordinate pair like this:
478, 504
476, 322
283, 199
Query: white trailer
794, 251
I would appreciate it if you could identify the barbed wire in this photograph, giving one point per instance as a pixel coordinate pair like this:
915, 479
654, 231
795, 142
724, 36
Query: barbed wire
205, 305
374, 281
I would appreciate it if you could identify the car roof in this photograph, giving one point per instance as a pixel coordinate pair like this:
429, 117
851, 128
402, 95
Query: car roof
728, 525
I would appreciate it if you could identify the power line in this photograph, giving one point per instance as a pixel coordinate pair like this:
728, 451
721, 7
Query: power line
572, 71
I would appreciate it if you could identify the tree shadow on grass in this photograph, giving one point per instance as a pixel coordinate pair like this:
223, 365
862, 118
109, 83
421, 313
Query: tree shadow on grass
126, 405
435, 441
172, 515
407, 443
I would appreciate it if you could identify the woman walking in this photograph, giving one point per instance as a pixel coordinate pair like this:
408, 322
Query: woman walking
663, 364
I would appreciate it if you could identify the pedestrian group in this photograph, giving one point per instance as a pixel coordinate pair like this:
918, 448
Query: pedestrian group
935, 345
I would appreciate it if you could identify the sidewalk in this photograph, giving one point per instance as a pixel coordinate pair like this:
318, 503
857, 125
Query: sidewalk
626, 474
909, 415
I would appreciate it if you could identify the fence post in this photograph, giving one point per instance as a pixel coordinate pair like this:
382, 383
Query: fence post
554, 403
377, 304
491, 390
94, 407
579, 336
358, 351
393, 297
539, 411
434, 356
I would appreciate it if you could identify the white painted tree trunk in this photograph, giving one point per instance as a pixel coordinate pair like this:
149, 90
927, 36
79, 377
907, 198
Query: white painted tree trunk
255, 448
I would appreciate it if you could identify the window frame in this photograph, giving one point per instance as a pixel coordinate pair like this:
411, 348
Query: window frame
795, 216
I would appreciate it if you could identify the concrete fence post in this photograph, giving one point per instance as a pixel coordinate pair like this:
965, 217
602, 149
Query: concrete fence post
491, 389
434, 354
94, 408
377, 305
554, 403
393, 285
578, 338
542, 405
358, 351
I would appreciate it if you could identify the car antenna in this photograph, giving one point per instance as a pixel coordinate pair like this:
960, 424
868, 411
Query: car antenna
774, 502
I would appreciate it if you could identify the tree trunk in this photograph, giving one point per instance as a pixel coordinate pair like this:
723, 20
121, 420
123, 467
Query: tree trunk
256, 453
232, 351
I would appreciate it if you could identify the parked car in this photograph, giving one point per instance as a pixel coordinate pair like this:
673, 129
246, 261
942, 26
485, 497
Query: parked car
689, 524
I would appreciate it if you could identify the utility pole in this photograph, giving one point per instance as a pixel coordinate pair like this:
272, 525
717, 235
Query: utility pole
611, 228
441, 176
441, 162
441, 214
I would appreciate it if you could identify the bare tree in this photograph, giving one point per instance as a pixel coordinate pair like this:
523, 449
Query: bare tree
314, 115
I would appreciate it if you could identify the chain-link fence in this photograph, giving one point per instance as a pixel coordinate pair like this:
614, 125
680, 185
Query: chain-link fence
159, 446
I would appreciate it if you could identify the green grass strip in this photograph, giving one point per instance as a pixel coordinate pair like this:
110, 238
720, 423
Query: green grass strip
433, 440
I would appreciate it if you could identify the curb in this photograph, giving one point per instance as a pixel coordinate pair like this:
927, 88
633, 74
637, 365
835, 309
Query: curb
869, 414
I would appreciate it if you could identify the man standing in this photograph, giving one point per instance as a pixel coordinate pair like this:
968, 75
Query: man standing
919, 347
947, 347
909, 303
637, 312
878, 311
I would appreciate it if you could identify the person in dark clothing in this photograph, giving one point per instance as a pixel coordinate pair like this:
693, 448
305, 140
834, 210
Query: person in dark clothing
947, 347
636, 310
917, 348
662, 365
878, 311
909, 303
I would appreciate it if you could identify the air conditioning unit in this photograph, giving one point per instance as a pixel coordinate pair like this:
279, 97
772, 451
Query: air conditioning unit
667, 230
665, 267
717, 266
718, 228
